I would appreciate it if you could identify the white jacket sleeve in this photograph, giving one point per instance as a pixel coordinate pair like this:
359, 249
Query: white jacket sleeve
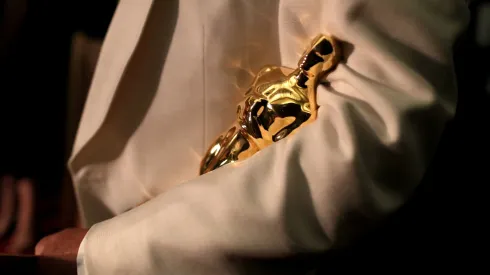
378, 125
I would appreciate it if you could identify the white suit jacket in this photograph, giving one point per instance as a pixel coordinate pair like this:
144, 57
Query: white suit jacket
167, 83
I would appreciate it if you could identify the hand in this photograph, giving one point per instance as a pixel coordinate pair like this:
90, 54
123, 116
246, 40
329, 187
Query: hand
17, 213
62, 245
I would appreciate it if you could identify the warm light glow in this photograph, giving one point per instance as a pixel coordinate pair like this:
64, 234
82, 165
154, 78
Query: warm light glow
215, 148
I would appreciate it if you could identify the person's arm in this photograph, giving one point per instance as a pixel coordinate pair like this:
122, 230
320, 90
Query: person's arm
378, 125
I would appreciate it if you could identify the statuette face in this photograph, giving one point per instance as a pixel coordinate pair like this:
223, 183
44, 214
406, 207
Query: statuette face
278, 103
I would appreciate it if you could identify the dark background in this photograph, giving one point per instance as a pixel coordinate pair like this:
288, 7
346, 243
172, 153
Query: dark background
36, 42
33, 78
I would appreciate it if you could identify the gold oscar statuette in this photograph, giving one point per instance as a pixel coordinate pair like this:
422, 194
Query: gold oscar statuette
279, 102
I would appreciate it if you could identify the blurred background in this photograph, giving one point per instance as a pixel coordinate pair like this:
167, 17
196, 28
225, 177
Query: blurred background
48, 53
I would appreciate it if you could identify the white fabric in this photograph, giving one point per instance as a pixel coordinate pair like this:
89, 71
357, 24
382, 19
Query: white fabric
167, 82
81, 266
